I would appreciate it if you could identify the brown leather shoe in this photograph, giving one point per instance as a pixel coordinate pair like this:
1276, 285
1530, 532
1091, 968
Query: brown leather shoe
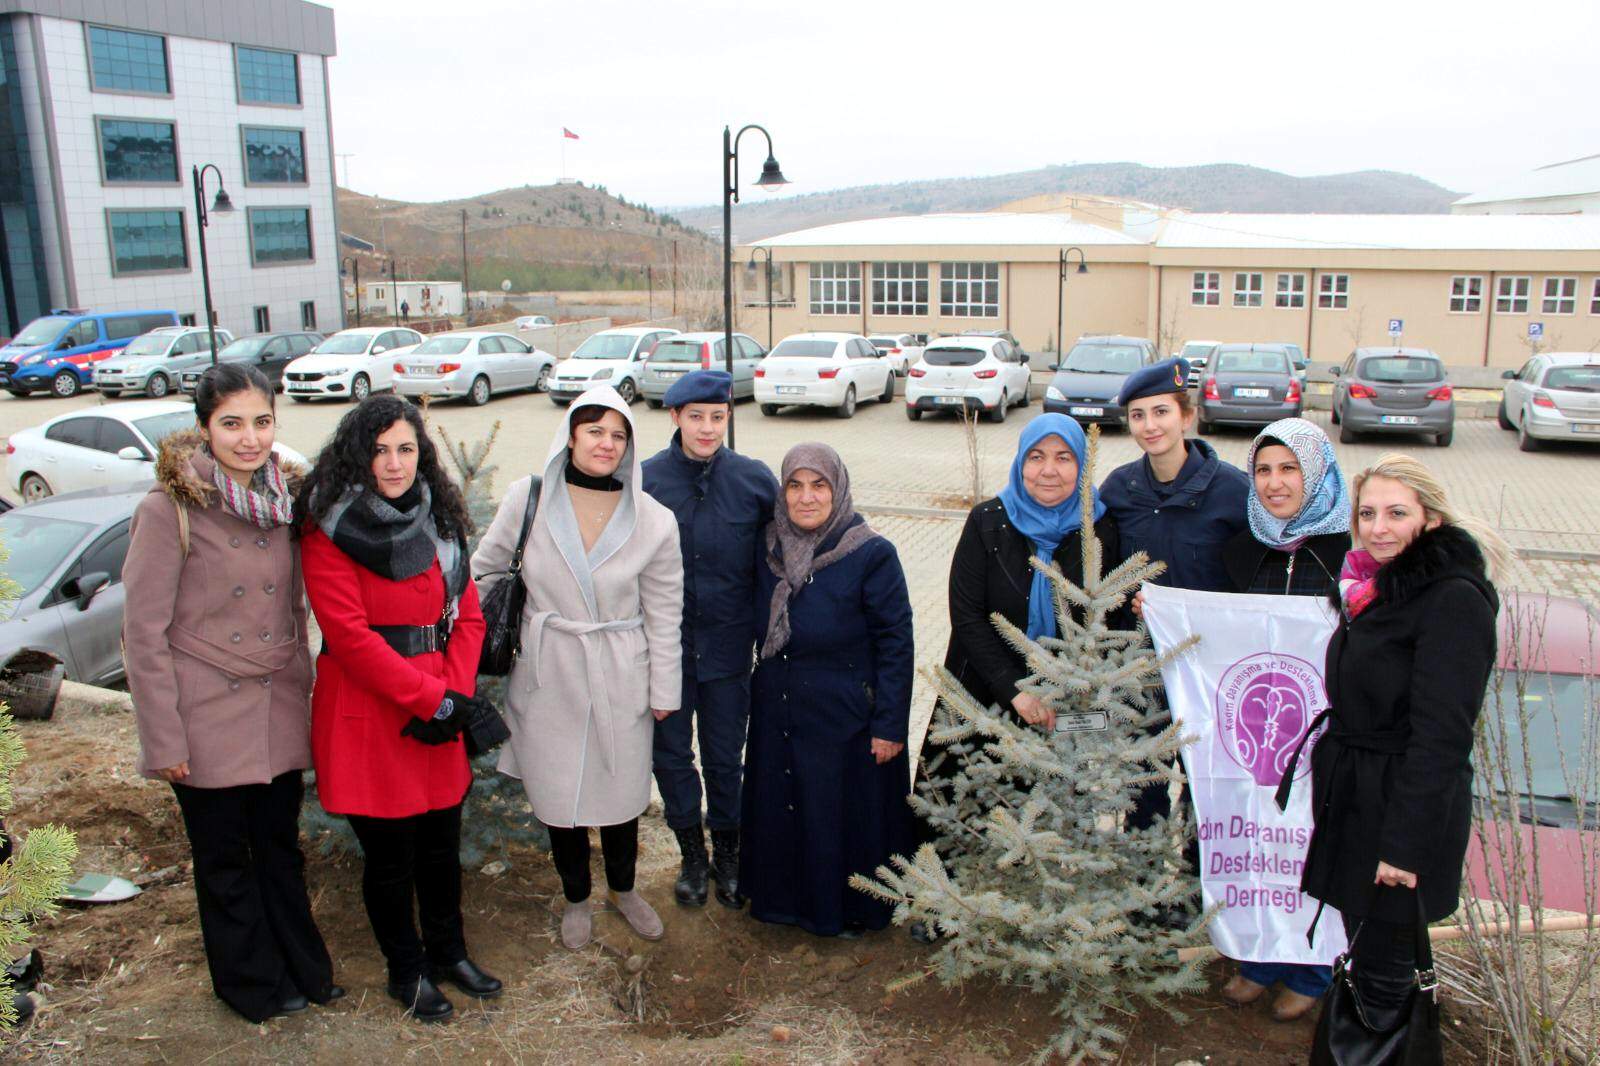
1242, 990
1291, 1006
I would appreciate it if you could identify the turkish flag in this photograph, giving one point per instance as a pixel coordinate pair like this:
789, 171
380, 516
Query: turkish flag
568, 134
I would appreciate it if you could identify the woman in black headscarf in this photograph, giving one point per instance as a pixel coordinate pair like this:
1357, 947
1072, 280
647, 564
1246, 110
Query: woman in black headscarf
826, 777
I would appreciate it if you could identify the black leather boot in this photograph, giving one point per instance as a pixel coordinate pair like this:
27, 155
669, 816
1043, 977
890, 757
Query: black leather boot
725, 867
422, 999
690, 888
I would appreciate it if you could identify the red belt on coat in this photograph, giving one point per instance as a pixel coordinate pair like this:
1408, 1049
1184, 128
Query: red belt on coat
599, 694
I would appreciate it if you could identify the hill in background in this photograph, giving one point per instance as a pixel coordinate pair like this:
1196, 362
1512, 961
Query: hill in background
1217, 187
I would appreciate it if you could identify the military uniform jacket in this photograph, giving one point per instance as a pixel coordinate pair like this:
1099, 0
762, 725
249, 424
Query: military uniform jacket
1184, 524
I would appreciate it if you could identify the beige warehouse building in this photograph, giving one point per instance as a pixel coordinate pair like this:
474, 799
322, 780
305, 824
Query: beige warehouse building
1466, 286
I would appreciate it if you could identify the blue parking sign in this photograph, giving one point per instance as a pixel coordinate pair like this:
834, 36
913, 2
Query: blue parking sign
1396, 326
1535, 330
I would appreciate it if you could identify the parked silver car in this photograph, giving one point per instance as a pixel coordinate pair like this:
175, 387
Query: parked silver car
1249, 385
66, 555
1555, 396
153, 363
677, 355
1393, 390
473, 366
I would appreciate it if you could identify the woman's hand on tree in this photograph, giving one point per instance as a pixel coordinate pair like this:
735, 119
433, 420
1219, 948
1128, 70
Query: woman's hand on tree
1034, 711
660, 716
1393, 875
1138, 604
884, 750
175, 774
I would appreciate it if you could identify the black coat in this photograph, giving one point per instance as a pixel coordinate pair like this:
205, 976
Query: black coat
1391, 780
990, 573
1312, 569
1184, 524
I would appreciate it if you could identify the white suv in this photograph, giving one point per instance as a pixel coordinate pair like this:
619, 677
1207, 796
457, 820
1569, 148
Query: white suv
835, 370
350, 365
976, 373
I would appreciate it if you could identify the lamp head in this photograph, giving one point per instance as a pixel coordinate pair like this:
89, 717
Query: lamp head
771, 173
1083, 268
223, 203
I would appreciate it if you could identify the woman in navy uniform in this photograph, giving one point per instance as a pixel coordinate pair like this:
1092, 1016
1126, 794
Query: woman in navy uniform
723, 502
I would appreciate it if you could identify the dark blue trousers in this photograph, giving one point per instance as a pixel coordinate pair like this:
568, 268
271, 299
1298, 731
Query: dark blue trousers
722, 709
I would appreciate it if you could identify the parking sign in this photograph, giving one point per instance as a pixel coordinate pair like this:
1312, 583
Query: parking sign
1396, 326
1535, 331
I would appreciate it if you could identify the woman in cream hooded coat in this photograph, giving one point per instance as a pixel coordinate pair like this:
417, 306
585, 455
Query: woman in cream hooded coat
601, 656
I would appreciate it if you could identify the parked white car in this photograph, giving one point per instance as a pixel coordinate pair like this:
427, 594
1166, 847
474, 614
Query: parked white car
153, 363
976, 373
114, 444
836, 370
350, 365
612, 357
472, 365
899, 350
1199, 354
527, 322
1555, 396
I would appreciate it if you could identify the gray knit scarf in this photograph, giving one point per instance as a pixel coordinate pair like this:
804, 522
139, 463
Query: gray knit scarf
792, 551
392, 543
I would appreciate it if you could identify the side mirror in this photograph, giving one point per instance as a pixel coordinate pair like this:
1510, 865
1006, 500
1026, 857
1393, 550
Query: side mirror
66, 343
379, 349
1334, 371
133, 452
1055, 366
1510, 375
87, 587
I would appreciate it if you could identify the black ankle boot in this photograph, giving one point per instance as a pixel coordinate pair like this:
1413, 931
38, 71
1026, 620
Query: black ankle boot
422, 998
725, 867
690, 888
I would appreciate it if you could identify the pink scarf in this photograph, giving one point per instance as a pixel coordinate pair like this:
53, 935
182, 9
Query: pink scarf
1358, 581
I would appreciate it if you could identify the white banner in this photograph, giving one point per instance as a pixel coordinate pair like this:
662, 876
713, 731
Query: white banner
1249, 691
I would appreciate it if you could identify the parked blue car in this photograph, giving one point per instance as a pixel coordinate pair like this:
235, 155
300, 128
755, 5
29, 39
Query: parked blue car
57, 353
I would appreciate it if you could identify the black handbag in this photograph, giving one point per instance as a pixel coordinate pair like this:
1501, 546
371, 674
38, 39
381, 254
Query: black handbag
502, 604
1346, 1037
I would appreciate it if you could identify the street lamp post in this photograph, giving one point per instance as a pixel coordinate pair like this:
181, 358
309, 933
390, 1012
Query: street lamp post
355, 273
1061, 304
394, 288
221, 205
771, 174
768, 253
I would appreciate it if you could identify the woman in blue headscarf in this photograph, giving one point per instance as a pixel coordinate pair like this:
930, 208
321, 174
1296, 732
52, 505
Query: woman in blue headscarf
1299, 513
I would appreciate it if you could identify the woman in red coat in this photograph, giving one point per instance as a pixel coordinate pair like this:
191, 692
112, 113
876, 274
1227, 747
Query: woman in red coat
385, 561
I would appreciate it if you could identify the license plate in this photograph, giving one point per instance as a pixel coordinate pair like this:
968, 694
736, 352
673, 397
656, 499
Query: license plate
423, 371
952, 400
791, 390
1252, 394
1091, 412
1577, 427
293, 387
1399, 420
670, 373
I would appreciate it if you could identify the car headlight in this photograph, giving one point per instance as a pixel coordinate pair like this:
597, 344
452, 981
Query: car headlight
33, 359
334, 371
602, 375
1053, 393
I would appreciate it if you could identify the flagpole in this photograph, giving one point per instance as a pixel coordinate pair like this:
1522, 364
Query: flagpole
563, 156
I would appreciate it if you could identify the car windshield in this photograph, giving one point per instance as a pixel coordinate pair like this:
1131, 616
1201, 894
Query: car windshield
344, 344
149, 344
605, 346
41, 330
885, 342
804, 348
1400, 370
1102, 359
1556, 707
157, 428
246, 348
1197, 351
35, 546
1257, 362
677, 351
1574, 378
443, 346
952, 356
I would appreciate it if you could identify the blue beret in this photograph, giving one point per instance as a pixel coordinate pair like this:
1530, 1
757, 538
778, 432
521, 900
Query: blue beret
1167, 376
700, 386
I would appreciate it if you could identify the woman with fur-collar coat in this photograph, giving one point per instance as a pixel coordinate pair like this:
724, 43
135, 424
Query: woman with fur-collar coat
217, 661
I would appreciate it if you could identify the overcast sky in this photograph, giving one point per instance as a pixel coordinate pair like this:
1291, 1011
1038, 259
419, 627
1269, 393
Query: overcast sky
432, 106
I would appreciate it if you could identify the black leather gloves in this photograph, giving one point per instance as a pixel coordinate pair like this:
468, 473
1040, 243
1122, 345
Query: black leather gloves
446, 723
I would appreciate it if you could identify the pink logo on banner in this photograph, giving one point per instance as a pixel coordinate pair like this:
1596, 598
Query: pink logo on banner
1265, 703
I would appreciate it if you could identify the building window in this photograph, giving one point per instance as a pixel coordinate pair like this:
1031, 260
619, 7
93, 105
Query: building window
145, 241
308, 314
1594, 299
280, 234
124, 61
1560, 296
1466, 294
1207, 289
1333, 291
899, 288
969, 290
263, 320
836, 288
138, 151
1511, 296
1291, 291
274, 156
187, 319
267, 77
1247, 290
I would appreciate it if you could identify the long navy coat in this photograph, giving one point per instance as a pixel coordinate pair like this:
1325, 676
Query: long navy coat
817, 807
723, 507
1184, 525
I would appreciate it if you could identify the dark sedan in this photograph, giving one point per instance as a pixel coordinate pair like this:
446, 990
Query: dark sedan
1249, 385
267, 352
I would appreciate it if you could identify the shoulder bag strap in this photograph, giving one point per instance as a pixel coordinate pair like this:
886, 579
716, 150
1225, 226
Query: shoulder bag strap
1427, 979
535, 484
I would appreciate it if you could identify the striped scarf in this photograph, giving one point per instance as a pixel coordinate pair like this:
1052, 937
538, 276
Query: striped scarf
266, 503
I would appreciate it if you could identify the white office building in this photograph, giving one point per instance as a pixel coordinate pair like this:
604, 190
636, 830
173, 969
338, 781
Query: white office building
106, 109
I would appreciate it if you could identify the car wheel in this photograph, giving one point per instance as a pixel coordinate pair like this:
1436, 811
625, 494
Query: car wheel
65, 384
17, 393
999, 412
34, 488
654, 405
627, 391
1501, 417
848, 408
360, 388
158, 386
913, 413
769, 409
1346, 434
888, 389
1443, 440
1203, 425
478, 395
1525, 441
543, 384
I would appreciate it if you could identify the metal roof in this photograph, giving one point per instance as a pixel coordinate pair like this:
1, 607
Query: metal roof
1575, 177
1384, 232
977, 228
